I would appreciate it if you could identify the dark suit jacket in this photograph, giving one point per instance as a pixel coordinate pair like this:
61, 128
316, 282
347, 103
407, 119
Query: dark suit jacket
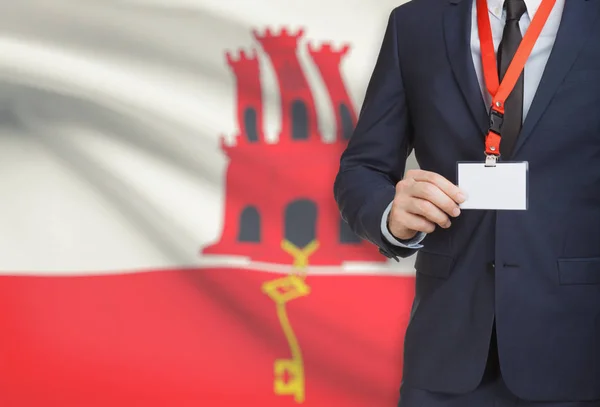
544, 291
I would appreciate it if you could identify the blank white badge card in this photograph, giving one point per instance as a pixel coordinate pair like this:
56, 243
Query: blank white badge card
501, 187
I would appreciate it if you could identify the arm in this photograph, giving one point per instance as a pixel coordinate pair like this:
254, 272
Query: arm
375, 158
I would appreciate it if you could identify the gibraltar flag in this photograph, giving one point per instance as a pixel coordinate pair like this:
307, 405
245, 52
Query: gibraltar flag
168, 234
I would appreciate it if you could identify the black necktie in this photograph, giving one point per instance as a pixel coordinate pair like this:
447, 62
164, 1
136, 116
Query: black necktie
513, 106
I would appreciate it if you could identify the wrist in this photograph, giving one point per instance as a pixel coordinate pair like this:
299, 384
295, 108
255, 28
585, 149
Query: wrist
404, 234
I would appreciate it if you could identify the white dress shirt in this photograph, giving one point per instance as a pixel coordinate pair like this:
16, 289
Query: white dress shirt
534, 68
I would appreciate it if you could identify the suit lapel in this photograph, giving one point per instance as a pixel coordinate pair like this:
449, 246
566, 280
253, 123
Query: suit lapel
577, 20
457, 35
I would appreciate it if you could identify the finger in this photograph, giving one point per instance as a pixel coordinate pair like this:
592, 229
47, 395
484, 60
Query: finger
416, 223
429, 211
433, 194
442, 183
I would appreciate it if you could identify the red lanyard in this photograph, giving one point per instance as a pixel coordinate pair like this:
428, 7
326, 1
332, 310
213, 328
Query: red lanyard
501, 91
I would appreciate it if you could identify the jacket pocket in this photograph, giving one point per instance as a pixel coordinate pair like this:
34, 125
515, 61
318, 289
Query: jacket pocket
579, 271
433, 264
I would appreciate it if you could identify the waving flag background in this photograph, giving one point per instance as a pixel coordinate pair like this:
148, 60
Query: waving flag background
168, 235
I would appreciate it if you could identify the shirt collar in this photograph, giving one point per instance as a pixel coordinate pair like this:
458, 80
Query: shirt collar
495, 7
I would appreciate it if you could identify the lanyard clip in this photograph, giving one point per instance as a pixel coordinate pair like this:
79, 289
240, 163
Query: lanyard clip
496, 121
490, 160
492, 140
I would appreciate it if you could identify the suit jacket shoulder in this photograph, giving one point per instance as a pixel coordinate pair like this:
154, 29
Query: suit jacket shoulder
419, 26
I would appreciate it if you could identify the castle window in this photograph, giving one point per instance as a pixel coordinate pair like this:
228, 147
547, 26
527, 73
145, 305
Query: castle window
251, 124
300, 222
249, 225
299, 120
346, 122
347, 236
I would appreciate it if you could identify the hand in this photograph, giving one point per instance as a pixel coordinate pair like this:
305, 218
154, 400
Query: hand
423, 200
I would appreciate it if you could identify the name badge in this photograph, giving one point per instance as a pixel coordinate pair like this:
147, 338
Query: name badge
502, 186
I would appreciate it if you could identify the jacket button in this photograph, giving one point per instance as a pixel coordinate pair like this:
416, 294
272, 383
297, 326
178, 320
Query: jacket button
388, 254
384, 252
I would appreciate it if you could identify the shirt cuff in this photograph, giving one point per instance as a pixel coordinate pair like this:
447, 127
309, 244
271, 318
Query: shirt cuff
413, 243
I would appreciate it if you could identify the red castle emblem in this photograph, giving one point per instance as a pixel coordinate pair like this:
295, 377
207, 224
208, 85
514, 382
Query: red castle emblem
279, 205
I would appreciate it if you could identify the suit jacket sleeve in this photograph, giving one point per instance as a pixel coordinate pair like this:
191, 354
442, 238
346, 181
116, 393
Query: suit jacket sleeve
375, 158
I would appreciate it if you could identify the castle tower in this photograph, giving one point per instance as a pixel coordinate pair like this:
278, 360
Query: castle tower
249, 97
298, 112
245, 204
328, 61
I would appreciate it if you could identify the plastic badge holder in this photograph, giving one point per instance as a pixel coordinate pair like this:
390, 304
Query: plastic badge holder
501, 186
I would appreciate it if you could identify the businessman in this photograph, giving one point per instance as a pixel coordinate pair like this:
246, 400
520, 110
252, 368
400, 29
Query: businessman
507, 303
